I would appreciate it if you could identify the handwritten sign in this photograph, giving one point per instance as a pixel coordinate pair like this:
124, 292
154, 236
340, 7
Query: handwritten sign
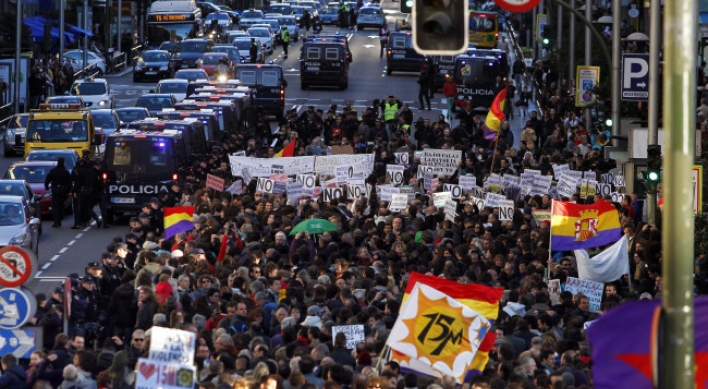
172, 346
554, 291
506, 210
450, 210
399, 202
214, 182
428, 180
294, 190
354, 333
342, 174
468, 183
394, 174
591, 289
440, 198
154, 374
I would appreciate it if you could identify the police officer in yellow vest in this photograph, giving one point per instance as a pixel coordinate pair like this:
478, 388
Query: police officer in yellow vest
391, 107
285, 40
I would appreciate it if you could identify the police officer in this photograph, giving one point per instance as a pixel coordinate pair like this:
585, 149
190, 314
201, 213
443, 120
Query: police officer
110, 277
59, 180
253, 51
101, 194
157, 212
285, 40
86, 184
84, 307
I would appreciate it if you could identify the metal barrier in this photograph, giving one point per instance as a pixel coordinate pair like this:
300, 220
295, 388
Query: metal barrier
134, 54
89, 71
118, 61
6, 107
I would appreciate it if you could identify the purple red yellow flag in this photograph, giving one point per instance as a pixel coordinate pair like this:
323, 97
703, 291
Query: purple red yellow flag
288, 150
178, 219
495, 116
575, 226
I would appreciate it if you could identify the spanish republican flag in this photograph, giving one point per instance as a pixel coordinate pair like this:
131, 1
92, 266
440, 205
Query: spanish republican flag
575, 227
423, 349
178, 219
495, 116
288, 150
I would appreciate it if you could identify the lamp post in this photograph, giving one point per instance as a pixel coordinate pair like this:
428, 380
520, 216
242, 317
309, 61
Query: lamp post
616, 94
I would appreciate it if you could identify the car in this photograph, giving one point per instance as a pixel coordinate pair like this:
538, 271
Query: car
191, 74
244, 48
370, 17
77, 59
107, 120
95, 91
207, 7
265, 37
230, 35
210, 60
274, 26
65, 99
289, 22
280, 8
12, 132
22, 188
233, 53
17, 226
131, 114
234, 15
222, 18
35, 172
298, 11
152, 64
71, 157
167, 46
187, 53
330, 15
155, 102
249, 18
173, 86
312, 6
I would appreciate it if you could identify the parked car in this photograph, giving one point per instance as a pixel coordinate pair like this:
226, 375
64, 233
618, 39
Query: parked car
17, 226
77, 59
13, 134
22, 188
152, 64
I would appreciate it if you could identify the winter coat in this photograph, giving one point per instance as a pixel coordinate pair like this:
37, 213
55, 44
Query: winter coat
123, 307
14, 378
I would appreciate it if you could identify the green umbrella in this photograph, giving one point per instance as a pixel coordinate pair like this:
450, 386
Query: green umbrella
314, 226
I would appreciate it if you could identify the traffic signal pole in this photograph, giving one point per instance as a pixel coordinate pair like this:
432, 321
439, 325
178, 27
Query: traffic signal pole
679, 117
653, 104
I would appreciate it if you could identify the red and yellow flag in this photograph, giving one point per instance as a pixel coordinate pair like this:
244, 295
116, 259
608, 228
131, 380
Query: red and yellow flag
178, 219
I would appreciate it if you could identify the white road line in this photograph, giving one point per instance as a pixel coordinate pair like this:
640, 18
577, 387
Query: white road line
71, 242
63, 250
39, 273
78, 236
54, 258
46, 266
86, 229
48, 279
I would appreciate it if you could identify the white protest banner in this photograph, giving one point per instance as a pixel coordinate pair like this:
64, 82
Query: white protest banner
428, 180
558, 170
533, 171
439, 198
493, 200
279, 187
394, 174
387, 191
603, 189
163, 375
467, 182
480, 202
343, 173
590, 175
576, 174
264, 167
619, 181
294, 190
509, 180
246, 175
591, 289
236, 187
240, 153
506, 209
607, 178
264, 185
171, 345
444, 162
402, 158
332, 194
554, 291
455, 190
354, 333
214, 182
399, 202
361, 163
450, 210
541, 185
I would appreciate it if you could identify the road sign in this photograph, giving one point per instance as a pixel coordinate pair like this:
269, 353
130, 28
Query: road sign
21, 342
17, 266
517, 5
635, 77
586, 78
541, 22
17, 306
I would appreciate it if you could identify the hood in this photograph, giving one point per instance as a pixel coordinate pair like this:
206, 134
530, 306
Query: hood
7, 232
37, 188
17, 371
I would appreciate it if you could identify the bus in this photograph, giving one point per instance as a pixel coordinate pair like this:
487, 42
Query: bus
173, 21
62, 126
484, 29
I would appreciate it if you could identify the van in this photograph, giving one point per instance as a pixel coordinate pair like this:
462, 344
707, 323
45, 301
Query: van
400, 54
323, 64
268, 84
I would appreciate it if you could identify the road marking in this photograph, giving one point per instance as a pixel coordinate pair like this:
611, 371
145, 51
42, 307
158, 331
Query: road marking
48, 279
78, 236
54, 258
71, 242
46, 266
39, 273
63, 250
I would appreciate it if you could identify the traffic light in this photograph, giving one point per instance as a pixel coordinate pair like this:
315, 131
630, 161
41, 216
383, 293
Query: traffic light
440, 26
653, 174
546, 36
406, 6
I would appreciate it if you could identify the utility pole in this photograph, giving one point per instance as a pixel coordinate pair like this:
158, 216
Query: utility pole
119, 19
18, 54
588, 54
653, 104
61, 31
87, 28
676, 363
571, 57
616, 65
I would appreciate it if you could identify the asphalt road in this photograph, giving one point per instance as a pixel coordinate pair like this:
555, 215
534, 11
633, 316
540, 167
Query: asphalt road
63, 251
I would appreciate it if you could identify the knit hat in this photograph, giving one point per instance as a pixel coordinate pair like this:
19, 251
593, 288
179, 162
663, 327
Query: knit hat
163, 290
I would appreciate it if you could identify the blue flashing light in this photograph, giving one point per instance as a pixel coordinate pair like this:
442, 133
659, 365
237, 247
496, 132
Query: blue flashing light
270, 62
464, 62
161, 144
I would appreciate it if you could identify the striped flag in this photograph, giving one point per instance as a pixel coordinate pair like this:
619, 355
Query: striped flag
288, 150
178, 219
495, 116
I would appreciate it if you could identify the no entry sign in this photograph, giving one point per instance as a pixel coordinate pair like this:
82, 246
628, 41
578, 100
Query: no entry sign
17, 266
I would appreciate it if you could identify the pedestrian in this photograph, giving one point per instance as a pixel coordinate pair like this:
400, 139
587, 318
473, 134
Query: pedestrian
59, 182
384, 35
504, 45
285, 40
344, 15
450, 93
37, 88
510, 94
518, 71
352, 18
305, 22
424, 88
523, 101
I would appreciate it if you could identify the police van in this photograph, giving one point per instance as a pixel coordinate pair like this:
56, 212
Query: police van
475, 77
441, 65
208, 117
192, 131
324, 63
267, 84
141, 164
232, 117
401, 55
335, 38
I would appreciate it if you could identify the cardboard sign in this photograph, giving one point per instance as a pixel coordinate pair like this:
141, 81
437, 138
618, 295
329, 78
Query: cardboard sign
455, 190
440, 198
493, 199
172, 346
394, 174
214, 182
450, 210
343, 173
506, 210
554, 291
428, 181
387, 191
155, 374
402, 158
331, 194
592, 289
354, 333
265, 185
467, 183
399, 202
236, 188
294, 190
480, 202
442, 161
541, 185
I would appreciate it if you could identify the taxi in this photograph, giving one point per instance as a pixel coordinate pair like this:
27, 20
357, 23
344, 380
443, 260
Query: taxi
96, 93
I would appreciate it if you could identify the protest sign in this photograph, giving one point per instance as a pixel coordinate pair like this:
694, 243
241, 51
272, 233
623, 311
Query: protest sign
439, 198
554, 291
541, 215
607, 178
587, 188
394, 174
163, 375
422, 170
356, 189
264, 167
590, 175
171, 345
467, 182
387, 191
428, 180
279, 187
558, 170
240, 153
402, 158
408, 191
277, 168
434, 185
533, 171
294, 190
509, 180
527, 179
619, 181
214, 182
576, 174
541, 185
399, 202
455, 190
480, 202
493, 200
442, 161
591, 289
246, 175
567, 185
603, 189
265, 185
236, 187
354, 333
494, 178
361, 163
617, 197
450, 210
332, 194
506, 210
343, 173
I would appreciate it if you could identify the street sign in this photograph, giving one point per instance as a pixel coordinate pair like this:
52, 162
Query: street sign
21, 342
586, 78
17, 266
635, 77
541, 22
517, 5
17, 306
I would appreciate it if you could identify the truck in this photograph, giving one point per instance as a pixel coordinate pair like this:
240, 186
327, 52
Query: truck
62, 126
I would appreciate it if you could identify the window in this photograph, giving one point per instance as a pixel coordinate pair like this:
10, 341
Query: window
89, 89
399, 42
121, 155
312, 53
332, 54
270, 78
248, 77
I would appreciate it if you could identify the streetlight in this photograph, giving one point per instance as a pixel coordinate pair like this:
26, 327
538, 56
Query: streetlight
616, 90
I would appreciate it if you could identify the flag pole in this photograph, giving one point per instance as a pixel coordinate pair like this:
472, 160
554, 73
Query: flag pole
385, 351
550, 243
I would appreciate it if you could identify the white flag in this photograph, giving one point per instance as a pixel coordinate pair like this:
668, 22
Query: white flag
610, 265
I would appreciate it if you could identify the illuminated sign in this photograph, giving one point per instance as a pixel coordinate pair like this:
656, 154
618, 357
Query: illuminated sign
171, 17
